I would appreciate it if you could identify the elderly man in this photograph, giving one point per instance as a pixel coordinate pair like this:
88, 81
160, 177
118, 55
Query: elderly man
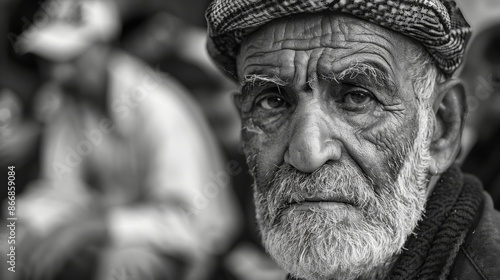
351, 122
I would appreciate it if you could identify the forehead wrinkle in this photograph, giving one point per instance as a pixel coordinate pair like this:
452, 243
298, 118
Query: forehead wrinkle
312, 66
388, 44
339, 34
337, 27
360, 29
347, 49
313, 34
300, 69
388, 63
365, 38
261, 63
283, 36
273, 62
282, 64
363, 46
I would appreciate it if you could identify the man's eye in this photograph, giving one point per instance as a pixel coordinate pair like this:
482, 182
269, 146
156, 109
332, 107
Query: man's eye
356, 100
272, 103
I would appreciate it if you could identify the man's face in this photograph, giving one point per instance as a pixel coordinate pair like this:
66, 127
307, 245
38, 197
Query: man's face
337, 142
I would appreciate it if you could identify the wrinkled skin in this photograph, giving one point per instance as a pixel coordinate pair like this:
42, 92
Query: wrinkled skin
332, 90
321, 122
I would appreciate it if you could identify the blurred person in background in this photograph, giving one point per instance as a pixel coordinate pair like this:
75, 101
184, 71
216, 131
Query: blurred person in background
177, 47
132, 183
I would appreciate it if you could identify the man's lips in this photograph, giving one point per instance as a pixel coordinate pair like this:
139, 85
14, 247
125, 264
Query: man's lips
313, 200
307, 204
326, 205
342, 209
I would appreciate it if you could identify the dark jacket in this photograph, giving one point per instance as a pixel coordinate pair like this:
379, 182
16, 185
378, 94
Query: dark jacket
479, 256
459, 237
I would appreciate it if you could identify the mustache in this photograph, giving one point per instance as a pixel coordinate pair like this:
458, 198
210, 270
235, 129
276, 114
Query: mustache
339, 182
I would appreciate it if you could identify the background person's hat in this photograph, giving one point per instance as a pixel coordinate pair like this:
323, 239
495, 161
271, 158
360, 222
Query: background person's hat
70, 27
438, 24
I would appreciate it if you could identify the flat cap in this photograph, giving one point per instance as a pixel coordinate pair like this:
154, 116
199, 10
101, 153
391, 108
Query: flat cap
437, 24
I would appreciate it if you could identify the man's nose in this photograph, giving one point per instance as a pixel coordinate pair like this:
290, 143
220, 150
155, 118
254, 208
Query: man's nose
312, 144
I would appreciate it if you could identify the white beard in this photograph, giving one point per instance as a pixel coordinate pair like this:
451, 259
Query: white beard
345, 243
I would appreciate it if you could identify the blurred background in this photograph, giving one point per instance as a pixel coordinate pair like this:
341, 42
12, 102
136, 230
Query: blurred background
126, 147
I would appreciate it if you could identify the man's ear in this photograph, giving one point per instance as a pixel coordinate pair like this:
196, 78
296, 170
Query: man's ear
449, 111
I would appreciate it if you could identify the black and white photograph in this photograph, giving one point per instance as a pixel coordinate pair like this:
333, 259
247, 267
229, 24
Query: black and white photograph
250, 139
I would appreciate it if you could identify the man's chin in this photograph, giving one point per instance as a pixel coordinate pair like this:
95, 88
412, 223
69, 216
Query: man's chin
322, 244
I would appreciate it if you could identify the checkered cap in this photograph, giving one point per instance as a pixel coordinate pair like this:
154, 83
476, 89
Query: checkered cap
438, 24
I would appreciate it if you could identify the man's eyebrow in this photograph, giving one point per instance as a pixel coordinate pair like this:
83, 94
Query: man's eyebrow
258, 80
370, 70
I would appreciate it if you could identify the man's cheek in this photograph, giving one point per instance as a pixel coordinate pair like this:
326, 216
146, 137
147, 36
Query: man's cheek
263, 154
388, 148
253, 141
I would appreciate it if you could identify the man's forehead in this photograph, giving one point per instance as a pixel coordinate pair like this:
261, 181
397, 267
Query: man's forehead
333, 40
